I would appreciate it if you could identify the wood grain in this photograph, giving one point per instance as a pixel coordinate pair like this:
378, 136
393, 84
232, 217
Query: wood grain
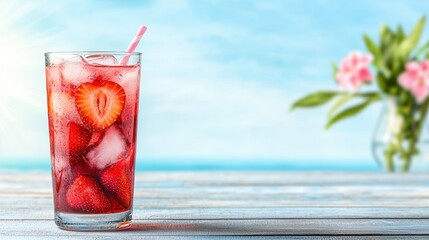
209, 204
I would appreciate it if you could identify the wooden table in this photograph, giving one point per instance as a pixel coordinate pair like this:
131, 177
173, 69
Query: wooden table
228, 205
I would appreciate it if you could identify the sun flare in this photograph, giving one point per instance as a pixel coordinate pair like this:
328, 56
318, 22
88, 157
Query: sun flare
17, 62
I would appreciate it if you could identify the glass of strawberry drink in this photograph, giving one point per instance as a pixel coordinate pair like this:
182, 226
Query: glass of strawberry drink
92, 113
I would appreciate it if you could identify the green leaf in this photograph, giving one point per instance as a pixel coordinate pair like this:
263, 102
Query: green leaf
410, 42
422, 49
334, 70
378, 59
371, 46
375, 95
400, 34
386, 36
397, 66
339, 103
382, 83
349, 112
314, 99
386, 73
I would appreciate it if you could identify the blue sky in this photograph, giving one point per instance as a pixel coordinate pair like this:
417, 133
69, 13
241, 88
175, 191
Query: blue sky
218, 77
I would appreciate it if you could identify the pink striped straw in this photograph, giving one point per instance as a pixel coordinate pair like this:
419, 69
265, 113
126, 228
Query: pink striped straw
133, 44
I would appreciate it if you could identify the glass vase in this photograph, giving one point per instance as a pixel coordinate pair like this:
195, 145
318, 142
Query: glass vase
401, 141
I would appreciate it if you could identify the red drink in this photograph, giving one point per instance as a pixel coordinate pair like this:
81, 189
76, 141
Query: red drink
92, 111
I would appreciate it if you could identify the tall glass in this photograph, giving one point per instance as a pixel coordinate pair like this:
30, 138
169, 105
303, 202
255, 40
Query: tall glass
92, 110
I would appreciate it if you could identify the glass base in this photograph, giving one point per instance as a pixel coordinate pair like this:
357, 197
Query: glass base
93, 222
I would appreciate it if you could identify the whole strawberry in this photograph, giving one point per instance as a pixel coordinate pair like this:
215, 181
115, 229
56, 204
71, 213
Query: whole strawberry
117, 180
85, 195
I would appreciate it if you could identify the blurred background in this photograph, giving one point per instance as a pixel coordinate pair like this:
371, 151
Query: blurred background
218, 78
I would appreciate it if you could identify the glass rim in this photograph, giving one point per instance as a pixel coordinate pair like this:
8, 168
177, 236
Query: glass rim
94, 53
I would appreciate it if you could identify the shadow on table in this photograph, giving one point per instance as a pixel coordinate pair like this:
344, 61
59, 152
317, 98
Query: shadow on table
162, 227
201, 228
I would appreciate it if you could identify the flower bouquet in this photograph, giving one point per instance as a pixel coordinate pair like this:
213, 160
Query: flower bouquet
400, 70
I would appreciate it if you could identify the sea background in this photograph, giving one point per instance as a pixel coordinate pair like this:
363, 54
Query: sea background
176, 164
218, 78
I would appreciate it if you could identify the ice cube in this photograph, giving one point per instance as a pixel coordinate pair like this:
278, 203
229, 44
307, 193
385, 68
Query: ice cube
109, 150
129, 159
128, 128
105, 60
129, 80
60, 163
75, 70
57, 61
63, 171
62, 106
53, 76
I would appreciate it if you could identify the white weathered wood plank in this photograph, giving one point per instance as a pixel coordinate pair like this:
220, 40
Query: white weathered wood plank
46, 213
233, 227
193, 206
115, 237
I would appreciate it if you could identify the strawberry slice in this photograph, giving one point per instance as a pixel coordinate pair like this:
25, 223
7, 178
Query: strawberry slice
100, 103
78, 138
85, 195
117, 180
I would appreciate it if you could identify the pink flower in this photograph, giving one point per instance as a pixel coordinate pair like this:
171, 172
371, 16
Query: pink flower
416, 79
354, 70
